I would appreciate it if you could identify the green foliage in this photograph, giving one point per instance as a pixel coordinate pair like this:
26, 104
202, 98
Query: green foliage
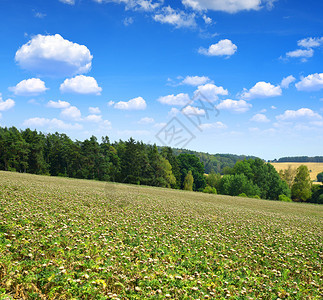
320, 177
317, 194
210, 190
288, 175
243, 195
284, 198
188, 181
236, 184
301, 189
213, 179
189, 162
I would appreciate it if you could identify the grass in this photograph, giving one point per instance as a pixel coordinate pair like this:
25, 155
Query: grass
314, 168
76, 239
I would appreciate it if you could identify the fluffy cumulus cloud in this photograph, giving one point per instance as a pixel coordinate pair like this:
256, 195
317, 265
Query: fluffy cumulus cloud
306, 50
262, 90
93, 118
58, 104
195, 80
287, 81
300, 53
6, 104
310, 42
146, 120
302, 114
94, 110
221, 48
134, 104
211, 92
236, 106
81, 85
216, 125
193, 111
71, 113
229, 6
168, 15
29, 87
179, 99
260, 118
53, 55
312, 82
50, 124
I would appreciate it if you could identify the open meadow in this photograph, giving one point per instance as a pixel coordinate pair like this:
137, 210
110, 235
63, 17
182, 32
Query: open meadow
65, 238
314, 168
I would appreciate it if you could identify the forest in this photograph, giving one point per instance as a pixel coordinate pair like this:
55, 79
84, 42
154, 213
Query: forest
29, 151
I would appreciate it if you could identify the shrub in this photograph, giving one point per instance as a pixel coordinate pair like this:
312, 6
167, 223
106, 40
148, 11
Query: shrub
242, 195
284, 198
210, 190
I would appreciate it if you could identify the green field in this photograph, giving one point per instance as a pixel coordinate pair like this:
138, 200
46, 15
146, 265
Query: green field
77, 239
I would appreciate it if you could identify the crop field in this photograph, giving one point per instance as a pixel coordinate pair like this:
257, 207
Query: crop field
314, 168
76, 239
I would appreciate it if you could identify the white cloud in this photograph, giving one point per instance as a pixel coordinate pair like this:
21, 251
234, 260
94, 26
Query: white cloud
7, 104
55, 56
93, 118
237, 106
312, 82
58, 104
211, 92
300, 53
159, 125
273, 107
134, 104
94, 110
195, 80
146, 120
29, 87
216, 125
111, 103
229, 6
193, 111
310, 42
179, 99
39, 15
207, 19
262, 90
70, 2
301, 114
173, 112
71, 112
179, 19
80, 85
145, 5
222, 48
261, 118
128, 21
50, 123
287, 81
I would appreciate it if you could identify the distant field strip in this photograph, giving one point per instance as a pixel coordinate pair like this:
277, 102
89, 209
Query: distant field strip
77, 239
314, 168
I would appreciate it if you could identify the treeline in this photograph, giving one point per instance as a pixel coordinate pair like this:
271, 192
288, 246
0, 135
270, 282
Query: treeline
123, 161
300, 159
137, 163
217, 163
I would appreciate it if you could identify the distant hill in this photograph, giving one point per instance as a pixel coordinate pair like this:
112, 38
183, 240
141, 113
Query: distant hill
214, 162
299, 159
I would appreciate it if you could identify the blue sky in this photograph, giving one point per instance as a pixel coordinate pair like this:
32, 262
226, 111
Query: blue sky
219, 76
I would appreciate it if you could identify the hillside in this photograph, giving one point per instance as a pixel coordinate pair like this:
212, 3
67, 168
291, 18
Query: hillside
214, 162
68, 238
314, 168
